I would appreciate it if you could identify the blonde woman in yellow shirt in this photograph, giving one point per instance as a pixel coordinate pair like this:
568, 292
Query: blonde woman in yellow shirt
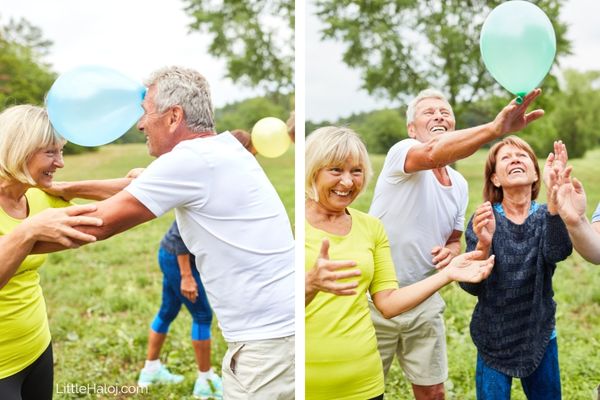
30, 153
347, 255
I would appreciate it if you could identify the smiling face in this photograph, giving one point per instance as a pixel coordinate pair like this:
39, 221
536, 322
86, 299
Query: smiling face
514, 168
43, 164
155, 126
338, 185
432, 117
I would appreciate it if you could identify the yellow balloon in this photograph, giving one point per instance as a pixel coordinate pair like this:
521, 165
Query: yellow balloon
270, 137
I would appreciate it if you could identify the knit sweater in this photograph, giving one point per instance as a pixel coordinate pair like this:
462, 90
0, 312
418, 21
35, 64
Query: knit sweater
514, 316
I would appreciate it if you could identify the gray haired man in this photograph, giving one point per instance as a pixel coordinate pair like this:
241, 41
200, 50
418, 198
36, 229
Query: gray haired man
422, 202
230, 217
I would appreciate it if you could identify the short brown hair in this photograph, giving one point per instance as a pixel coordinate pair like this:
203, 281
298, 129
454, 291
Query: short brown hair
495, 194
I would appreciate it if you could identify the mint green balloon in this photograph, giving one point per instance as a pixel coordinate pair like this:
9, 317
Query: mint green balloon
518, 46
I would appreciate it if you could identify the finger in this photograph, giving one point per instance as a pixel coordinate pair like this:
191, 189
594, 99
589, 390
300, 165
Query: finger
472, 255
483, 215
339, 264
346, 274
436, 250
554, 194
324, 253
83, 220
80, 209
444, 263
531, 96
566, 175
550, 159
74, 234
577, 185
480, 225
66, 242
346, 292
532, 116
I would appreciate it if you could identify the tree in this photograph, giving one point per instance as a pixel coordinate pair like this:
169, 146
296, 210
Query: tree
255, 37
381, 129
575, 117
404, 46
244, 114
24, 76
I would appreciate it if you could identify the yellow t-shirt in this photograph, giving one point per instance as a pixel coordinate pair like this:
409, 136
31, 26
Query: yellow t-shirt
342, 361
24, 332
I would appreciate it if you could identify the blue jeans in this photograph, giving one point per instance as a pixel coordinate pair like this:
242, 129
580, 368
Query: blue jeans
542, 384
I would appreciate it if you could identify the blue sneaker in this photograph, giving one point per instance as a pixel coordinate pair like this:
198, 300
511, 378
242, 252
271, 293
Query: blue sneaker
209, 389
162, 375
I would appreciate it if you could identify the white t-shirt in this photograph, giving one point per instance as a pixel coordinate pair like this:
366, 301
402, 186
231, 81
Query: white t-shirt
417, 211
231, 218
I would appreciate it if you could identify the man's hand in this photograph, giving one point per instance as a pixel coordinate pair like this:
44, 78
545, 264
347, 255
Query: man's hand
134, 173
469, 267
441, 256
326, 274
514, 117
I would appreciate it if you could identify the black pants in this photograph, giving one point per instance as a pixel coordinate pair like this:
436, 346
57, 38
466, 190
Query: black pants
33, 383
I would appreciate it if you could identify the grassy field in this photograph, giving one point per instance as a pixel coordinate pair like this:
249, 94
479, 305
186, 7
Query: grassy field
101, 298
577, 293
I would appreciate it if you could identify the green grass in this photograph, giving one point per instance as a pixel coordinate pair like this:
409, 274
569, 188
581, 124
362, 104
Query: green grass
101, 298
577, 293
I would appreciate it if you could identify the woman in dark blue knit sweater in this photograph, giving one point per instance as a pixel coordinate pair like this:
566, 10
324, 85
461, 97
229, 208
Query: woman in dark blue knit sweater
513, 324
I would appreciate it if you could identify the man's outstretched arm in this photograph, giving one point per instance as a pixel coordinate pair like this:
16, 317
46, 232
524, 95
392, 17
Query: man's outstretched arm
444, 149
118, 213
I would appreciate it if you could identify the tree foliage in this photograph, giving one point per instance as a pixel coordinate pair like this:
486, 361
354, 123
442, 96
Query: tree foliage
575, 118
571, 116
24, 76
255, 37
244, 114
404, 46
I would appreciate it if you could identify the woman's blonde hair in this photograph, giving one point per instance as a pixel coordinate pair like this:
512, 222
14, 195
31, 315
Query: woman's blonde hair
24, 129
495, 194
332, 145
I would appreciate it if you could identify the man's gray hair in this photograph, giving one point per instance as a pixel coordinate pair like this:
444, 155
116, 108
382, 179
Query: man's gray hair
186, 88
423, 94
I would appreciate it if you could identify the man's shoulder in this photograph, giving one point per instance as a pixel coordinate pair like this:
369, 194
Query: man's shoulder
402, 145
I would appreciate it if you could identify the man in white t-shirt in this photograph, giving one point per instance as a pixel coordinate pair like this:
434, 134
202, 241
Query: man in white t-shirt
422, 202
230, 217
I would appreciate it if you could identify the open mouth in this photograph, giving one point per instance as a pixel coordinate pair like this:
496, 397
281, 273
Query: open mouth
438, 129
517, 170
341, 193
49, 173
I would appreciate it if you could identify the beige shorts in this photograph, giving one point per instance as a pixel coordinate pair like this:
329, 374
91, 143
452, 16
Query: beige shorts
418, 338
259, 370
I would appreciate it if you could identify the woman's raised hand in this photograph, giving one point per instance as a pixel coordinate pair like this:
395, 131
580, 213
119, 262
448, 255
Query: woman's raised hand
484, 224
326, 275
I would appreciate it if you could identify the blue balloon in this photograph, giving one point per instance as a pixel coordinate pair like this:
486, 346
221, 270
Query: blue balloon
93, 105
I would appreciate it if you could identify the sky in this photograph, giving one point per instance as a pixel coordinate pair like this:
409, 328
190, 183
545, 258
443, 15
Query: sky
134, 37
333, 89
